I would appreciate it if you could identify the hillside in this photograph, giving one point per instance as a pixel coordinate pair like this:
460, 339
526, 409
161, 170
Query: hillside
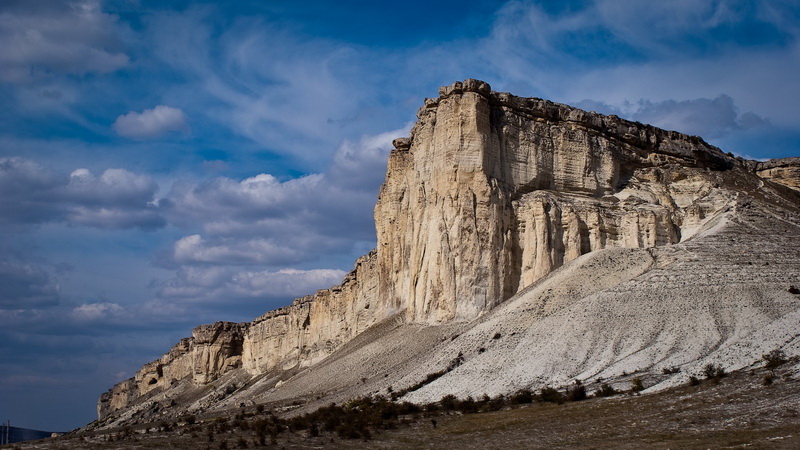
521, 243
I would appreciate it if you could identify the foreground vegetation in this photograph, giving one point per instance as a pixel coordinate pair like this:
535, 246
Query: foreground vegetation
716, 409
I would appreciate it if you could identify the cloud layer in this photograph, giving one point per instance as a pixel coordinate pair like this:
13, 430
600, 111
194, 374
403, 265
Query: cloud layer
116, 199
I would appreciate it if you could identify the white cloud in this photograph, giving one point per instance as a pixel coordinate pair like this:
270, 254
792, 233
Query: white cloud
95, 311
117, 199
195, 250
264, 221
151, 123
288, 94
41, 38
222, 286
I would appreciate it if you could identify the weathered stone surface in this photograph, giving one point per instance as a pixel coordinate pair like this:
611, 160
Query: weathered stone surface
496, 191
785, 171
489, 195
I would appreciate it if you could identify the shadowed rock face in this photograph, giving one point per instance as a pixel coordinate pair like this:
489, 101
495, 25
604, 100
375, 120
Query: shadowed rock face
490, 194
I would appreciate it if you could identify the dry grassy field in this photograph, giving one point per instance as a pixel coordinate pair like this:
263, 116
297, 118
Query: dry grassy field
740, 410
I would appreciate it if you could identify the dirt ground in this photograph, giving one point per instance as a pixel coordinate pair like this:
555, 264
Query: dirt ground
739, 410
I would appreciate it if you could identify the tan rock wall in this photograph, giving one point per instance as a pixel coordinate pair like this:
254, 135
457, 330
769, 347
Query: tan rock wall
785, 171
490, 193
314, 326
454, 237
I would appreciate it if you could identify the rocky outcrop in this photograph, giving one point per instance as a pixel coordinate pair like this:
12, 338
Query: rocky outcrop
785, 171
210, 352
489, 194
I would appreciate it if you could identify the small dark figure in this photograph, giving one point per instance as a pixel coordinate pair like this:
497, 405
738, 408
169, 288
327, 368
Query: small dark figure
433, 422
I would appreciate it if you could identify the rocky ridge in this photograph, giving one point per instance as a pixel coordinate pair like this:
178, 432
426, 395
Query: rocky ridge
490, 199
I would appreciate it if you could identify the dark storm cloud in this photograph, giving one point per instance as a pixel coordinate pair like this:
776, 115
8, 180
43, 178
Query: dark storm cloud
24, 285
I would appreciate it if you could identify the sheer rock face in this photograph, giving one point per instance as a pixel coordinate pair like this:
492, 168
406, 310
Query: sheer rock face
314, 326
492, 192
489, 194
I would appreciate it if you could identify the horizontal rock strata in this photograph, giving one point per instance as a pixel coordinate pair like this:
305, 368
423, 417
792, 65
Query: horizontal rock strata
489, 194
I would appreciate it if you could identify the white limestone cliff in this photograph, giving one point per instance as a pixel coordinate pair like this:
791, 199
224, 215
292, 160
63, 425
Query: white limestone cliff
488, 195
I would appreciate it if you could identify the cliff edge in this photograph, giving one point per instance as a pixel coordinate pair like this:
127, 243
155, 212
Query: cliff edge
485, 201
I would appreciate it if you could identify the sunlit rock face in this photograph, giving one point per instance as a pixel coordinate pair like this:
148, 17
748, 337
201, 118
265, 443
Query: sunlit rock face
489, 194
785, 171
492, 192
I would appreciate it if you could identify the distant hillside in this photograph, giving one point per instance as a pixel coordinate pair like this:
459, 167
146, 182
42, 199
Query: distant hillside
16, 434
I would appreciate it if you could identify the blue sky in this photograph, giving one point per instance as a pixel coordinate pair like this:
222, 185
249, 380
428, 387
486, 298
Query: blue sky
166, 164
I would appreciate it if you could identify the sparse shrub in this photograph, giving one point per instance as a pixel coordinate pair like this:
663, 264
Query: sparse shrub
605, 391
497, 336
670, 370
495, 404
448, 402
774, 359
468, 406
221, 424
522, 396
693, 381
714, 371
550, 395
190, 420
768, 379
577, 392
637, 385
